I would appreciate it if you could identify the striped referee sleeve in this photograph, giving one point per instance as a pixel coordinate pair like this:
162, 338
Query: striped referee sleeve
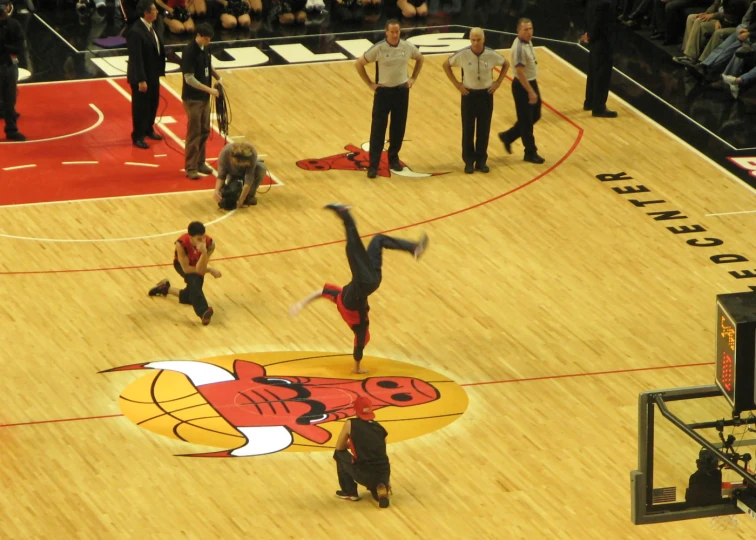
518, 55
371, 55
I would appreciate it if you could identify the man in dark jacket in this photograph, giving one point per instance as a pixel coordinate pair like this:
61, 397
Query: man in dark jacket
367, 463
146, 66
599, 37
11, 47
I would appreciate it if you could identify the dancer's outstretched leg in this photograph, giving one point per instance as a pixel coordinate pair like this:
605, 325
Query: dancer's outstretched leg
365, 280
382, 241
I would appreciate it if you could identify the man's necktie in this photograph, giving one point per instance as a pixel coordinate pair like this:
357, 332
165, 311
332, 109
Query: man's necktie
154, 36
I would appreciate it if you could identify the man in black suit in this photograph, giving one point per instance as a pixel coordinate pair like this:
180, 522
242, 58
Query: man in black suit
146, 66
600, 20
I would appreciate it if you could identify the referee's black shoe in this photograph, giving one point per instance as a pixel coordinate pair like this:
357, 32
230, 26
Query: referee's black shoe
533, 157
372, 172
605, 113
469, 169
395, 165
482, 167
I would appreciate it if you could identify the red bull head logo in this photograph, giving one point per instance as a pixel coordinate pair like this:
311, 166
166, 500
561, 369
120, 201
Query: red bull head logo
358, 159
269, 412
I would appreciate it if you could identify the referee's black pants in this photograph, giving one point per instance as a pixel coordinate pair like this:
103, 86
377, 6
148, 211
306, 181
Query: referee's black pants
527, 116
477, 107
387, 101
600, 64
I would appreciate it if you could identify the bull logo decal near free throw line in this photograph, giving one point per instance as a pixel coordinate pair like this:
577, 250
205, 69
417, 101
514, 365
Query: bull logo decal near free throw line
358, 159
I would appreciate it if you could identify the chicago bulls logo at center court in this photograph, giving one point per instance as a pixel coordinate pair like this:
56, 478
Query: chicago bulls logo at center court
264, 403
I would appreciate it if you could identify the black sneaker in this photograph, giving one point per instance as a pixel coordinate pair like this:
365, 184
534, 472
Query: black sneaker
161, 289
337, 207
207, 316
372, 172
394, 164
534, 158
507, 142
469, 169
382, 491
15, 136
348, 496
422, 246
482, 167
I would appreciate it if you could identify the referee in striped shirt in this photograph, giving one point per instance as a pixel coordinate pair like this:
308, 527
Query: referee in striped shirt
527, 98
477, 89
391, 87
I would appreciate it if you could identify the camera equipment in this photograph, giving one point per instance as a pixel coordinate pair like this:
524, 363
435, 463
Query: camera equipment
230, 192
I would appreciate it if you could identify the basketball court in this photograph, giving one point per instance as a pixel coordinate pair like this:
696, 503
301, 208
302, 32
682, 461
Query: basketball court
550, 297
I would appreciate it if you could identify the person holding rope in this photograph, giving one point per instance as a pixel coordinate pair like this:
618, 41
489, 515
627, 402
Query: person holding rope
196, 65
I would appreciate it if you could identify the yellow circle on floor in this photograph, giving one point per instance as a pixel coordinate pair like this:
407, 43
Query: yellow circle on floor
262, 403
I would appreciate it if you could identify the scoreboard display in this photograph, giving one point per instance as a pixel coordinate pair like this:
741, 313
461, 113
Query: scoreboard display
736, 350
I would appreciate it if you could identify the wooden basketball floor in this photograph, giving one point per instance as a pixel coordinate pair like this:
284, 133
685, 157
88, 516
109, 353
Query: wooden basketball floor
550, 297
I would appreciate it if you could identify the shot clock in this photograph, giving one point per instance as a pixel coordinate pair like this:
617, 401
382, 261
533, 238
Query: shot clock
736, 349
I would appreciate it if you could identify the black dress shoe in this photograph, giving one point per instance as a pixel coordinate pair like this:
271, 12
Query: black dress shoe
587, 106
154, 136
533, 158
372, 172
469, 169
139, 143
507, 142
605, 113
482, 167
394, 164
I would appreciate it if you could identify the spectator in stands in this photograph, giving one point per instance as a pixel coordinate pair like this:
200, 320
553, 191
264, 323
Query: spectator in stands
700, 27
239, 12
413, 8
668, 16
348, 10
315, 6
179, 18
625, 7
641, 11
747, 79
741, 61
84, 6
715, 64
290, 11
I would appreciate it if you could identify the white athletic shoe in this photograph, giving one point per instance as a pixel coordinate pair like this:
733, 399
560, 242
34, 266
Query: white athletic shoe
729, 79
